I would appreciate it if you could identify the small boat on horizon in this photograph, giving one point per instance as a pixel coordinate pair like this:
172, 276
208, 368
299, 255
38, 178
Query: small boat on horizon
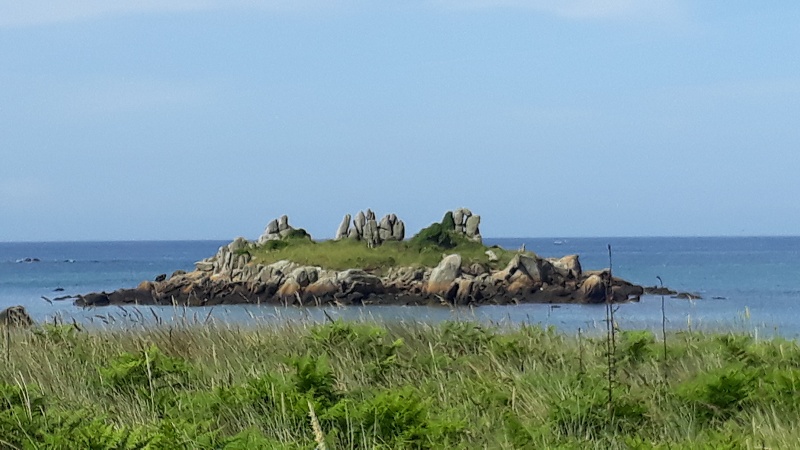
559, 242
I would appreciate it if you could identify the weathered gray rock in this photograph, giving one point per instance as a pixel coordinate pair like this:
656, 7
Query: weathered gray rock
351, 276
458, 218
344, 227
472, 227
593, 289
357, 281
398, 231
526, 265
15, 316
281, 268
271, 233
204, 265
568, 266
283, 223
238, 244
301, 276
444, 274
323, 288
359, 223
372, 233
385, 229
289, 290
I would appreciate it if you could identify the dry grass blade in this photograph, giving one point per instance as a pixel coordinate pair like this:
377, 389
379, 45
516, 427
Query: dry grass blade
319, 436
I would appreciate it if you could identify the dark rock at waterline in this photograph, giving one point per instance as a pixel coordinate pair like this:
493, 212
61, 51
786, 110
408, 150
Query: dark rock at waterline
687, 296
93, 299
58, 289
15, 316
358, 289
658, 290
233, 277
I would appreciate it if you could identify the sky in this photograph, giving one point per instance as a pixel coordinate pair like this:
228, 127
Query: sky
206, 119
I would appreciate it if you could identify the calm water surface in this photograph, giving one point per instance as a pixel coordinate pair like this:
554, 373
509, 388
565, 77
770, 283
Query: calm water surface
747, 283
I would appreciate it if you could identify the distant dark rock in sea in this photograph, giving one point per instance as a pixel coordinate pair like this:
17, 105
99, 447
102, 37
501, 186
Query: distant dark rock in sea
28, 260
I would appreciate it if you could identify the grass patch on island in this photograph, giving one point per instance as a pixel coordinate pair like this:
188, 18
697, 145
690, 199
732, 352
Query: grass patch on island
364, 385
423, 250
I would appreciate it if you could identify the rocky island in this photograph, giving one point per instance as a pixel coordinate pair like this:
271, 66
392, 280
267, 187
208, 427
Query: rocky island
371, 262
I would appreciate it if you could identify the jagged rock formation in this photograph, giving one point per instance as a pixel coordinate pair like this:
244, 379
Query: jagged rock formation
279, 229
366, 228
232, 276
464, 222
15, 316
229, 278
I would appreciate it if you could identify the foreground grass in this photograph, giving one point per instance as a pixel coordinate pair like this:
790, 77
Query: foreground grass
368, 385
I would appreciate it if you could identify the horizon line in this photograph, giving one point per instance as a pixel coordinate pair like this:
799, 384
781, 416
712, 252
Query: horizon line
694, 236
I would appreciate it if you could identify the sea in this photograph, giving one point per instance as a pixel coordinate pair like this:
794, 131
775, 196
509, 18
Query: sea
747, 284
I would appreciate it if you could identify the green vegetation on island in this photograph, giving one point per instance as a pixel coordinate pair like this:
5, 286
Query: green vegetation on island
356, 385
425, 249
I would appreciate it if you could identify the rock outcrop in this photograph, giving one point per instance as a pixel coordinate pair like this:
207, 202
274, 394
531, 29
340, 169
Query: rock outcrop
233, 276
464, 222
443, 276
280, 229
15, 316
366, 228
229, 278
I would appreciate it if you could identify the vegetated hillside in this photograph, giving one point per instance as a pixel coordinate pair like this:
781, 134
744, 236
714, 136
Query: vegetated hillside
425, 249
410, 385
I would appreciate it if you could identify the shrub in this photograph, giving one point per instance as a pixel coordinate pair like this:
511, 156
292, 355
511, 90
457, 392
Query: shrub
298, 233
314, 378
370, 342
583, 408
435, 235
21, 414
396, 418
145, 373
719, 394
448, 222
636, 346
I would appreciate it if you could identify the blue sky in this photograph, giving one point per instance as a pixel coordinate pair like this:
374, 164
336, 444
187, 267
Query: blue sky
178, 119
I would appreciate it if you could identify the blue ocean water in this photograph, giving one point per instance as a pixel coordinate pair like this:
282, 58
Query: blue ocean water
747, 283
